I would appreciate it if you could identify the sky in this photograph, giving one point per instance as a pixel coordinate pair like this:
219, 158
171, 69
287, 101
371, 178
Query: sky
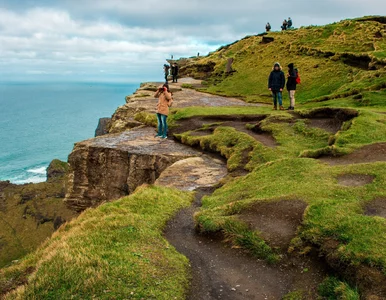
129, 40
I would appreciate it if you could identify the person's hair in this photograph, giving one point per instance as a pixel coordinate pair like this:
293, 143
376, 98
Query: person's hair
167, 86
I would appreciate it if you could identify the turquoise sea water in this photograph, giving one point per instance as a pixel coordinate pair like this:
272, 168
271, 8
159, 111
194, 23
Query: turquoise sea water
42, 121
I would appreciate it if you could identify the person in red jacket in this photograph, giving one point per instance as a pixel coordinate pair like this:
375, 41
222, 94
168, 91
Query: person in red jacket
165, 101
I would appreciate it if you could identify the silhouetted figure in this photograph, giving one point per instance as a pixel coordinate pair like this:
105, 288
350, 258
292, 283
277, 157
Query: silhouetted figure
166, 71
175, 72
289, 23
198, 54
285, 25
268, 27
172, 56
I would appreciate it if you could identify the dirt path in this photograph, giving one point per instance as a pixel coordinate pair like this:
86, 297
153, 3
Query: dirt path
219, 272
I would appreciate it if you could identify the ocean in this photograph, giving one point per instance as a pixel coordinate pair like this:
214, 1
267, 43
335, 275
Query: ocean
41, 121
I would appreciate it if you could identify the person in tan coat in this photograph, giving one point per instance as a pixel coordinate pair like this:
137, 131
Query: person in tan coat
165, 101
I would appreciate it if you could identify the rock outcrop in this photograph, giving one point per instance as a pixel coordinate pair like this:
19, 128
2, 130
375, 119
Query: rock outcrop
56, 169
193, 173
103, 126
112, 166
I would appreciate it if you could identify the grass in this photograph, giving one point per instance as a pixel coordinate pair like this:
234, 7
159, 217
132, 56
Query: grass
115, 251
332, 289
327, 58
360, 237
30, 215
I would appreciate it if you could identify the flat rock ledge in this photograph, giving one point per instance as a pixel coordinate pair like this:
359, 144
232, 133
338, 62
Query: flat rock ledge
112, 166
193, 173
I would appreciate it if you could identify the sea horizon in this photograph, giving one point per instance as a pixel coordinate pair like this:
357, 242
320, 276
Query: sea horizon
41, 120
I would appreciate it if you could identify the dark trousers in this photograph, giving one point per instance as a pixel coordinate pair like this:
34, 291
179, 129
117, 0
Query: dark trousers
175, 78
166, 77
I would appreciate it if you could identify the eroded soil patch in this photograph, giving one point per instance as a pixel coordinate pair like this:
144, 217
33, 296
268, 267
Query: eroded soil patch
238, 122
277, 221
328, 119
355, 179
367, 154
220, 272
376, 208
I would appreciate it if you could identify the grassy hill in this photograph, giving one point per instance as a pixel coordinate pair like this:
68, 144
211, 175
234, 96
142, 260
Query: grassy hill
329, 156
337, 60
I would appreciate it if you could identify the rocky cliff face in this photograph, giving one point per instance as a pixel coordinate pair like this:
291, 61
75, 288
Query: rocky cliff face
30, 213
112, 166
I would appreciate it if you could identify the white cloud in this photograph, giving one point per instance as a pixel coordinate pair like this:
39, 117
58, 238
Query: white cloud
132, 39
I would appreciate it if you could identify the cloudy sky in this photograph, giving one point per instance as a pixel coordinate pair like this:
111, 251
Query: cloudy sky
129, 40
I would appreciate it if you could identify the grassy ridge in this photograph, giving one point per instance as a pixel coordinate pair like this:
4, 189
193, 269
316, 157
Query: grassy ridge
113, 252
333, 61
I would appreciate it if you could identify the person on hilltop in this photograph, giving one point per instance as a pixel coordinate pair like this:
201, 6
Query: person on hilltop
276, 83
268, 27
289, 23
292, 82
166, 71
175, 72
285, 25
165, 100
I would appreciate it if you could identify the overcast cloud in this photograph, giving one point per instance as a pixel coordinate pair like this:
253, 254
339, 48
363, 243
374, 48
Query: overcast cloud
119, 40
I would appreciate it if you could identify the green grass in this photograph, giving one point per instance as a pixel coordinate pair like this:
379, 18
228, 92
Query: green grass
332, 289
361, 237
28, 216
319, 54
116, 251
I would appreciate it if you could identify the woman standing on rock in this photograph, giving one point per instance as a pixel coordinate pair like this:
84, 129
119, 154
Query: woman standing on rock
165, 100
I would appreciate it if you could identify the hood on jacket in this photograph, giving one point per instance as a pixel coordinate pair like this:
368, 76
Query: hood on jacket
277, 64
291, 66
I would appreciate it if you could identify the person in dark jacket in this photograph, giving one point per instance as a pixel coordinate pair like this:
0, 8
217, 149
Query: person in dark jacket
276, 83
175, 72
285, 25
166, 71
268, 27
289, 23
291, 85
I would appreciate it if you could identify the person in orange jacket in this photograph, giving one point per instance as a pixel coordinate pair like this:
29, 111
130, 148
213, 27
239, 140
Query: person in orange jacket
165, 101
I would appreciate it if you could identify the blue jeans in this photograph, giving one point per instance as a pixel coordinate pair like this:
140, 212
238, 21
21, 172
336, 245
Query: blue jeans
277, 97
162, 125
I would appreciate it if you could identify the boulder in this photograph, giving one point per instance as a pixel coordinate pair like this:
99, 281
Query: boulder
193, 173
103, 126
114, 165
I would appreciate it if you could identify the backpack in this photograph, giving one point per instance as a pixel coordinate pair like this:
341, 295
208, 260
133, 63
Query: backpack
298, 80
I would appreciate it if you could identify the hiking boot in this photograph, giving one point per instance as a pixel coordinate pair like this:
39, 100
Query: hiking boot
281, 107
164, 137
274, 107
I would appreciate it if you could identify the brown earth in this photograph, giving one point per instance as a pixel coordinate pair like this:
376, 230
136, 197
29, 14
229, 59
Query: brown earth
376, 207
277, 220
355, 179
367, 154
220, 272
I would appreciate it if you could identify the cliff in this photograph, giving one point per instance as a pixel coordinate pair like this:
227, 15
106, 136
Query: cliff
302, 196
30, 213
113, 166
